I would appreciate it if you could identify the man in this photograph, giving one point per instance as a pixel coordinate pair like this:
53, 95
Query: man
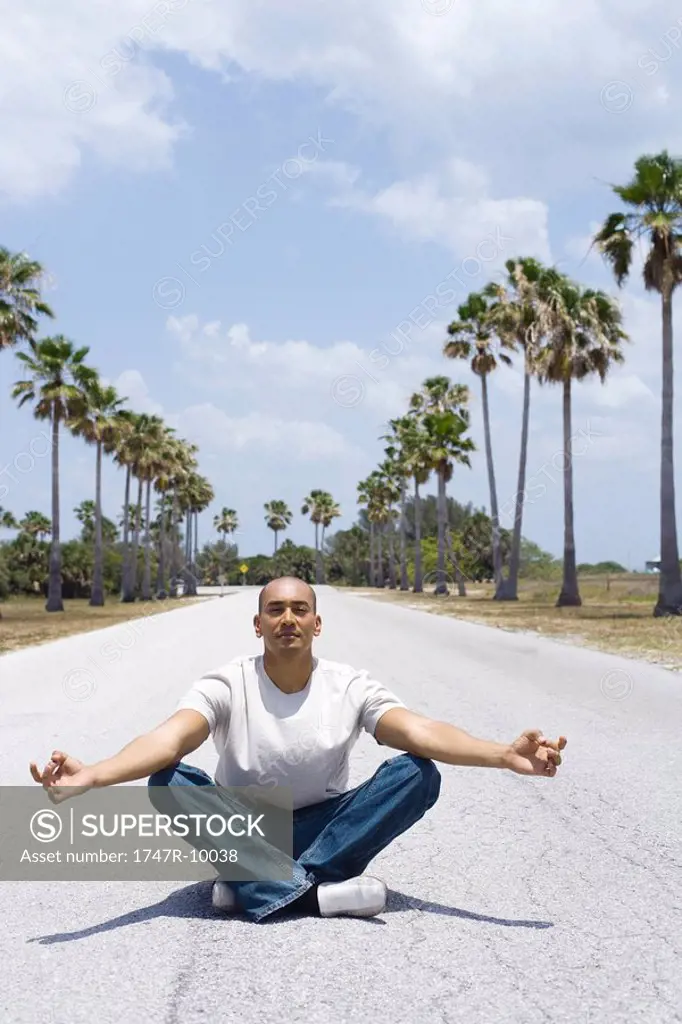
286, 717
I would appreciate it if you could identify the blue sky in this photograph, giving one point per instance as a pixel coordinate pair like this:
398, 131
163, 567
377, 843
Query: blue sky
399, 152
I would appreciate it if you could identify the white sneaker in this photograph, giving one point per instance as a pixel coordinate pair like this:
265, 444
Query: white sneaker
363, 896
223, 898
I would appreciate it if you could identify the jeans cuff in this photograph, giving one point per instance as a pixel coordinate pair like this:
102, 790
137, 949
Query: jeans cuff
286, 900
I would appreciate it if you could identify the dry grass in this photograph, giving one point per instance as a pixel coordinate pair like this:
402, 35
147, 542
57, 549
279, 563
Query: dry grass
25, 623
617, 618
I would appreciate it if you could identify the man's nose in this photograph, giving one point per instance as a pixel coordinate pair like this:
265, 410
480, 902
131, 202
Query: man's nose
288, 615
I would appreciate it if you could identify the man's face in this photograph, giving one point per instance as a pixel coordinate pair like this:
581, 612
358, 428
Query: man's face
287, 621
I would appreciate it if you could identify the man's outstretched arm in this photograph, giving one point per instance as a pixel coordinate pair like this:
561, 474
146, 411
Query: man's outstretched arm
65, 776
531, 754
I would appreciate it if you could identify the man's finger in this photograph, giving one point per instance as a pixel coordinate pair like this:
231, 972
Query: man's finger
35, 772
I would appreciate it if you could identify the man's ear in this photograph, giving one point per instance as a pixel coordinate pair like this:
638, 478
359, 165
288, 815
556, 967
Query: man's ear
318, 626
256, 624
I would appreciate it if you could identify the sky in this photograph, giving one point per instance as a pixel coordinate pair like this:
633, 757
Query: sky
262, 217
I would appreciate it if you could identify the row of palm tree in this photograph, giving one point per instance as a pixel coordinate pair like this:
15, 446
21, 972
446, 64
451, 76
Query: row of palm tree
64, 389
319, 505
564, 333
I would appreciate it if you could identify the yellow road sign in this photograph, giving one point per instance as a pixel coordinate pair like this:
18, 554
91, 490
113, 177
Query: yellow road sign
243, 568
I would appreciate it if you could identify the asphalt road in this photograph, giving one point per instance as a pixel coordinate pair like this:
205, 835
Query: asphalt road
514, 899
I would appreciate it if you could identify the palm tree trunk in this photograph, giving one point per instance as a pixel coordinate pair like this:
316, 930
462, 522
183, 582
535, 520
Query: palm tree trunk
173, 590
494, 511
126, 553
97, 594
380, 559
190, 588
441, 584
322, 572
670, 584
275, 551
418, 584
318, 568
570, 595
510, 587
372, 575
161, 574
196, 537
147, 576
404, 581
131, 582
54, 590
391, 557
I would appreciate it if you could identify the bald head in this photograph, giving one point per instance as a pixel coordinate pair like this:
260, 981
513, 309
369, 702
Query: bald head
287, 588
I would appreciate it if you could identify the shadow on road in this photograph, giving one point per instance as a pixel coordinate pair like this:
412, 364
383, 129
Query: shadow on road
194, 901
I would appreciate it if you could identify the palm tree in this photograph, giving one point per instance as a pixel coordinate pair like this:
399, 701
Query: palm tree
397, 457
7, 520
392, 486
584, 339
331, 510
35, 524
58, 382
441, 408
98, 423
517, 316
474, 339
196, 494
654, 212
414, 449
226, 522
165, 467
313, 505
20, 300
184, 465
278, 517
149, 467
366, 497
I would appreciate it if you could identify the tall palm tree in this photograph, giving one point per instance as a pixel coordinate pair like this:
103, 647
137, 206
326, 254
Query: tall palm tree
185, 464
130, 450
312, 505
196, 494
330, 510
57, 383
164, 477
397, 457
278, 517
415, 455
392, 486
474, 339
653, 198
97, 421
518, 317
20, 299
366, 498
583, 339
7, 520
441, 408
35, 524
226, 522
203, 496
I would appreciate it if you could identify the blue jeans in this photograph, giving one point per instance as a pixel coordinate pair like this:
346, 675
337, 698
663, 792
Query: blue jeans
336, 839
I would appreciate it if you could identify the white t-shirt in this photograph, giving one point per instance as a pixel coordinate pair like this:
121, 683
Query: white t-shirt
268, 738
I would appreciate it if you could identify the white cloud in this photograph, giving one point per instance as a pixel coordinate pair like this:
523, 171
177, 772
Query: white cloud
452, 206
79, 78
131, 385
268, 437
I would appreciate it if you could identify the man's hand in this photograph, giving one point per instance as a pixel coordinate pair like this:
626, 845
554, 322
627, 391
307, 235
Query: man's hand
533, 754
63, 777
